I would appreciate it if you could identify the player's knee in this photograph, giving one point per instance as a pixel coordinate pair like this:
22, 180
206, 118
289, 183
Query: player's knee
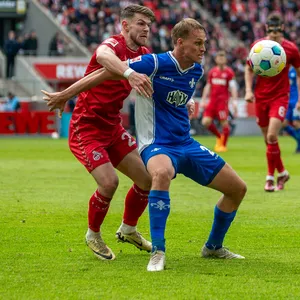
242, 190
144, 183
109, 185
206, 122
272, 138
161, 175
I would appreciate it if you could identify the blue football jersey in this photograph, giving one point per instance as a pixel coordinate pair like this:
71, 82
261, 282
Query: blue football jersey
163, 119
293, 85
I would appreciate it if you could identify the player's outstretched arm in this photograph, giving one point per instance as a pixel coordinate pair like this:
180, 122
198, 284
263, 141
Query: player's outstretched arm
58, 100
249, 96
108, 59
234, 94
206, 91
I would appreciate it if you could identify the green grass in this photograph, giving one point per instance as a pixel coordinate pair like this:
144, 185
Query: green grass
44, 194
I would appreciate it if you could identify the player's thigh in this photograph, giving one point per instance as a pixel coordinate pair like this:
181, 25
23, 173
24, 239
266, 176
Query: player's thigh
161, 164
223, 114
88, 147
200, 164
278, 108
123, 144
274, 127
228, 182
262, 114
133, 167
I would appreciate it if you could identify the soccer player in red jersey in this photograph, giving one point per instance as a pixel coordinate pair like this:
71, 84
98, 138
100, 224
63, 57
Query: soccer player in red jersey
220, 81
99, 141
271, 101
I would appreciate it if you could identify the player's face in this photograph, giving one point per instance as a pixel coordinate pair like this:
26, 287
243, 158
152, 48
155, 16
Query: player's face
138, 29
274, 32
194, 46
221, 60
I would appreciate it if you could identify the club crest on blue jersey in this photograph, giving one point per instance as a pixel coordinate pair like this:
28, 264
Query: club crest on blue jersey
177, 97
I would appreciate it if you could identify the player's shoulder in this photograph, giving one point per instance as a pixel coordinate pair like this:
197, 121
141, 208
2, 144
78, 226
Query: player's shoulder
114, 40
286, 44
229, 70
258, 40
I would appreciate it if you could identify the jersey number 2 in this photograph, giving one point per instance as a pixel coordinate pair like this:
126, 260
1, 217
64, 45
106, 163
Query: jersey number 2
125, 136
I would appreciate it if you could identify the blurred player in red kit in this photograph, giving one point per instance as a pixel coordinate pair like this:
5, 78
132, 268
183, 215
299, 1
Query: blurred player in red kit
99, 141
220, 84
271, 101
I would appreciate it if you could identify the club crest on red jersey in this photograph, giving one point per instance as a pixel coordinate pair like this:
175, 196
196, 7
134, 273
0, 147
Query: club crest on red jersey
97, 155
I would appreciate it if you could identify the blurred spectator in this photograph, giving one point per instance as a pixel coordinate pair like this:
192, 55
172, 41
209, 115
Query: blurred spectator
11, 49
12, 104
30, 43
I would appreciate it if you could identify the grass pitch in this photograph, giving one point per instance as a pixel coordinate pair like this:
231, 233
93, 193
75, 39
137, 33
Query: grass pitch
44, 195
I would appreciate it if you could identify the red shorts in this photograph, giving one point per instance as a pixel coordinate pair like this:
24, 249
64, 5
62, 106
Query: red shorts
94, 147
273, 109
219, 112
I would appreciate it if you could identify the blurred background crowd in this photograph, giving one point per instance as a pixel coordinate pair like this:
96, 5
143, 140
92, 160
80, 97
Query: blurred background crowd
92, 21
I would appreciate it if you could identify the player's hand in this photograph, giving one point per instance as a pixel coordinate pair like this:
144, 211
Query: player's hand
55, 101
191, 108
249, 97
141, 83
298, 105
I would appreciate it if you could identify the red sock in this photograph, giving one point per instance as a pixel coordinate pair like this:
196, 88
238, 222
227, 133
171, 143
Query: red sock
280, 167
273, 157
98, 208
226, 132
135, 203
212, 128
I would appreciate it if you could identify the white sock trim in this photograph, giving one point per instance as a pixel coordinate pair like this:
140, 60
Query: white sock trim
269, 177
285, 172
127, 229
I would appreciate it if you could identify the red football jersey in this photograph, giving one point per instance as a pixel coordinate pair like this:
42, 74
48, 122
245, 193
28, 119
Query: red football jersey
268, 88
219, 81
101, 105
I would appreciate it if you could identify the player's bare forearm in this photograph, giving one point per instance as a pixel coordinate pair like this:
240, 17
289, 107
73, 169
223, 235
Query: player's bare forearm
108, 59
205, 94
91, 80
248, 78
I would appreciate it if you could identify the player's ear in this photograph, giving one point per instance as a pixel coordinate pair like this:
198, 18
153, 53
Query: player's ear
125, 25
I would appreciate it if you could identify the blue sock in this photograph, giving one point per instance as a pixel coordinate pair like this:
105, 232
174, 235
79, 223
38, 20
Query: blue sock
159, 209
292, 132
222, 222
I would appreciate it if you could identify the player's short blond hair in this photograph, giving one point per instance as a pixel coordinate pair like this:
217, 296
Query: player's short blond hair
183, 29
129, 11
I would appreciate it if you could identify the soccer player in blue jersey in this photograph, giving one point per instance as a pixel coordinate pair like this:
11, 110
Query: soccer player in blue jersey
165, 144
291, 124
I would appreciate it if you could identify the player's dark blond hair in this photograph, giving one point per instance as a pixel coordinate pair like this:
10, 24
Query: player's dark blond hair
221, 53
183, 29
274, 18
129, 11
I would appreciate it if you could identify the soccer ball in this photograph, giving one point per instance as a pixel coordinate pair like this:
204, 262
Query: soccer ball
267, 58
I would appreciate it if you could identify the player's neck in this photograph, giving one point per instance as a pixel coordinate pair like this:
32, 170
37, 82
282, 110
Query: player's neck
181, 59
222, 67
279, 40
129, 42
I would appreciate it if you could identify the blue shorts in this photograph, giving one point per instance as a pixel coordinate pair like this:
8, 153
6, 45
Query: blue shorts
191, 159
292, 114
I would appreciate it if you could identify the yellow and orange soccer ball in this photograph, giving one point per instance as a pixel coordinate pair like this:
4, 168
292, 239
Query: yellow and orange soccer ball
267, 58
